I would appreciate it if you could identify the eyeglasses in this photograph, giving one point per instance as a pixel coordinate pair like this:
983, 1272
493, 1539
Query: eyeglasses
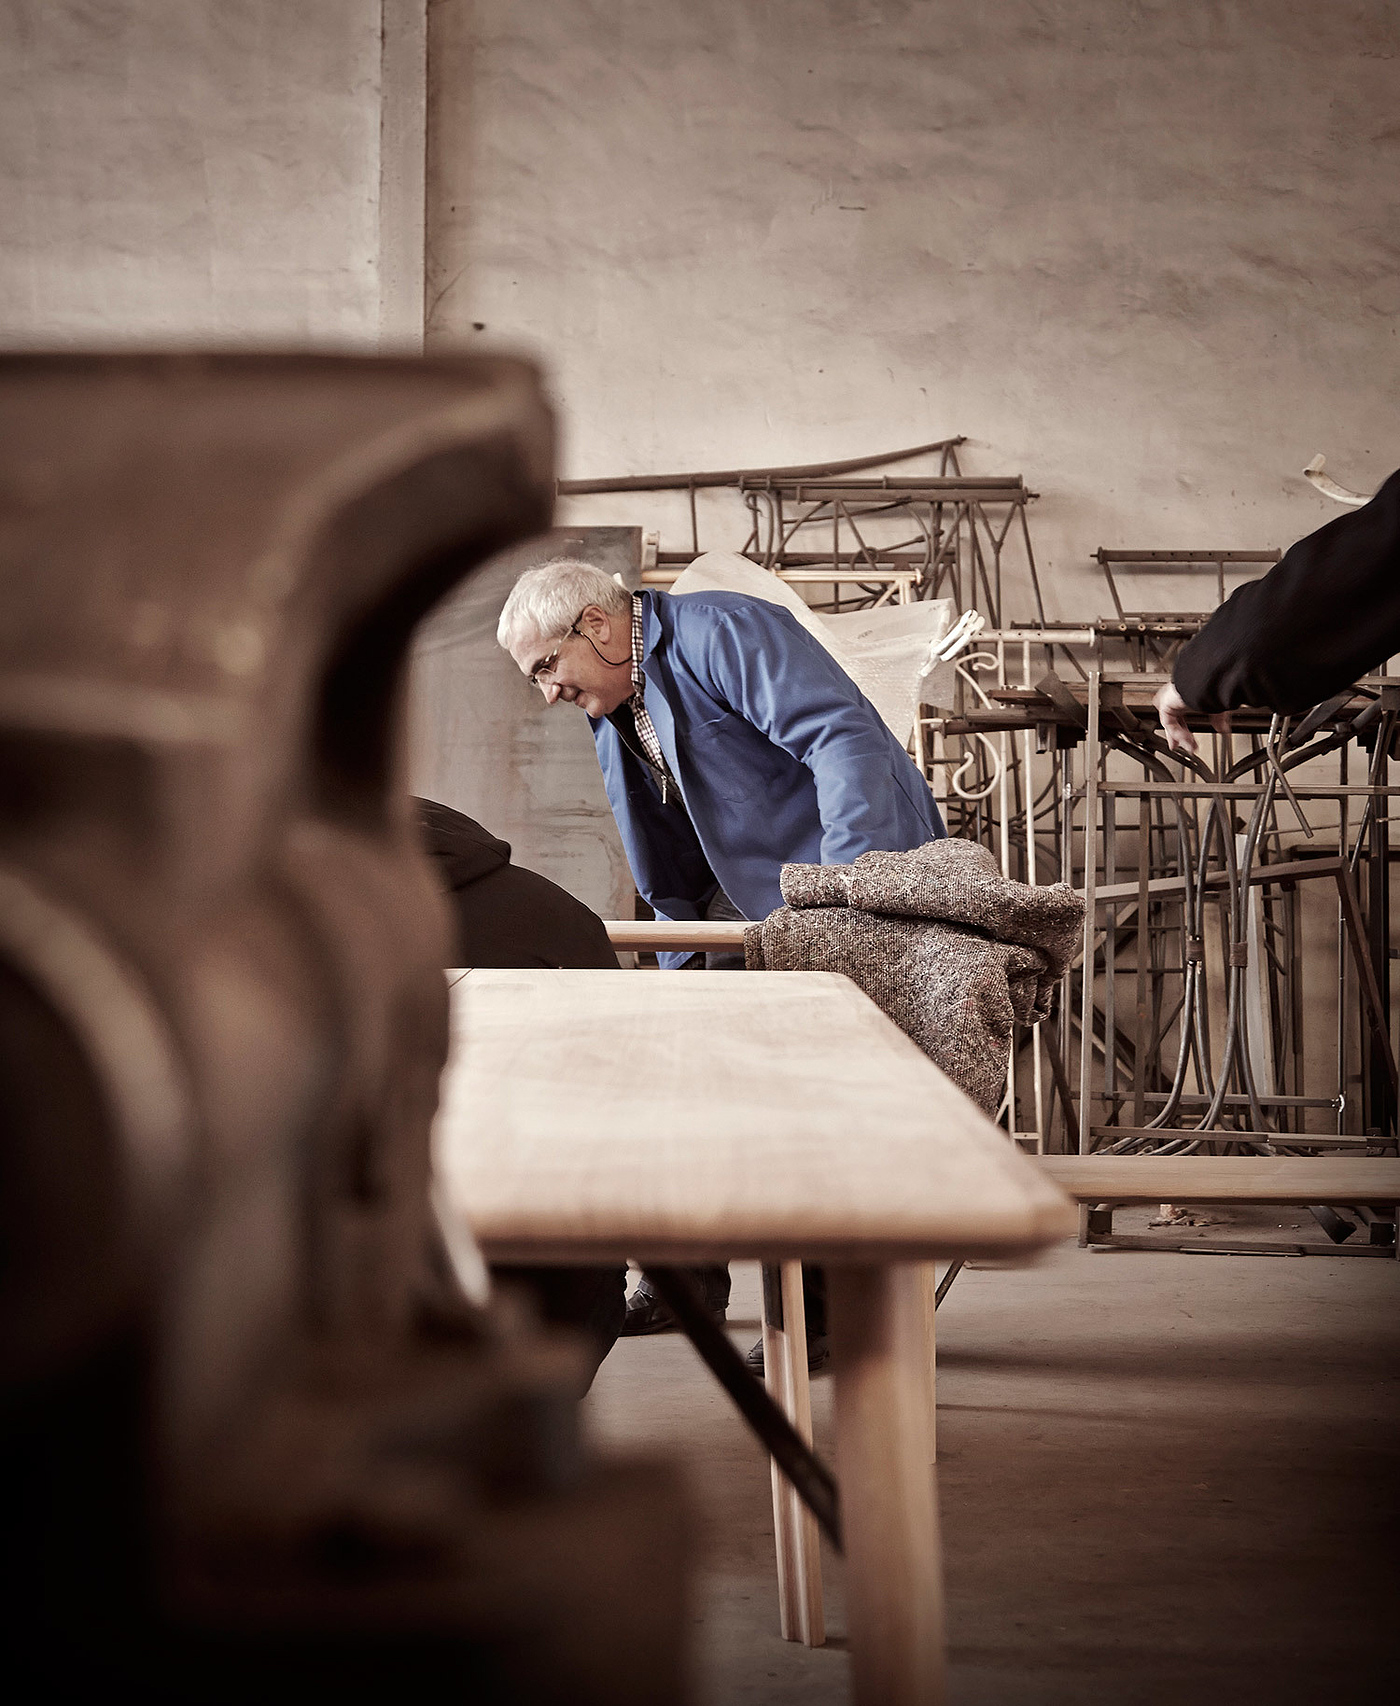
542, 673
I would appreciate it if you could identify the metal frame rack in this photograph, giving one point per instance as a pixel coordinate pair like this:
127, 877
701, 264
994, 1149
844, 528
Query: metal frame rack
871, 539
1210, 885
951, 532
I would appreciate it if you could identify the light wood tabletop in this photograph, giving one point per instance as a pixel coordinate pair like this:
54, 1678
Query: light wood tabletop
686, 1116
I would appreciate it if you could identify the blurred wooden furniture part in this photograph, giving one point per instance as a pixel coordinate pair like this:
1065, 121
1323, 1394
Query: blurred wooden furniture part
687, 1117
1288, 1180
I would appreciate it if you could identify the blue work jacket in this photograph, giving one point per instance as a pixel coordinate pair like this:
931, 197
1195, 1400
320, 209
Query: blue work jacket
779, 755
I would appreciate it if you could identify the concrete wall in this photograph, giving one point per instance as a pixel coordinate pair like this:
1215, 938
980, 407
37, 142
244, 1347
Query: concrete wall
1144, 254
252, 172
203, 171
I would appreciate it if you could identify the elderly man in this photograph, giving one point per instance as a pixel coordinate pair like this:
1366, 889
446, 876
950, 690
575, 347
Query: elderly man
731, 743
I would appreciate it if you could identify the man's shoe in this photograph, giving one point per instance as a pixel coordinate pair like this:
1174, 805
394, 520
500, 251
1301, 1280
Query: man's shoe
646, 1313
818, 1356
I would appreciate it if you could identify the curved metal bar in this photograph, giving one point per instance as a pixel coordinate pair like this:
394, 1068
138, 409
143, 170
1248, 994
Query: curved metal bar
1150, 762
739, 476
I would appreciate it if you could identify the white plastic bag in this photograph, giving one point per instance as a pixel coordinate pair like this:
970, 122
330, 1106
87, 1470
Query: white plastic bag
888, 652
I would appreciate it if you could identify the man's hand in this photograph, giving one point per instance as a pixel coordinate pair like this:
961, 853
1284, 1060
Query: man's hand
1171, 709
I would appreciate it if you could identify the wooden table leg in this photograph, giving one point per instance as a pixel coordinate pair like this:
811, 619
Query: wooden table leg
800, 1609
884, 1441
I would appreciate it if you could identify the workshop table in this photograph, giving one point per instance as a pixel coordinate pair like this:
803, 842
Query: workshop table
690, 1117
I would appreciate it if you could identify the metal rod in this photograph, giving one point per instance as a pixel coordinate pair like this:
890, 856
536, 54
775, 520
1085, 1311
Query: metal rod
809, 1476
1244, 790
742, 476
1202, 559
1091, 833
954, 1269
665, 575
1370, 984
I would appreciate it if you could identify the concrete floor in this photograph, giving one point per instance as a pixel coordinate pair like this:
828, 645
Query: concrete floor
1163, 1477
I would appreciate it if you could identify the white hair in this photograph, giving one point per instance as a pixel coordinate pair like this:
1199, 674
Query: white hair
548, 600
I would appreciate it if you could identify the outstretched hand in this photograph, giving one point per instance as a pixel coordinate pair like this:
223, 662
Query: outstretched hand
1172, 710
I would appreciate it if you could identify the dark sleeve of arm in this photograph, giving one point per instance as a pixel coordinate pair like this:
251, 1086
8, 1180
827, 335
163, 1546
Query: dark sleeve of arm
1326, 613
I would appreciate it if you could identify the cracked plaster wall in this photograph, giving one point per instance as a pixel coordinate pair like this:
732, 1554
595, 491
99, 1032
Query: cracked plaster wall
1145, 254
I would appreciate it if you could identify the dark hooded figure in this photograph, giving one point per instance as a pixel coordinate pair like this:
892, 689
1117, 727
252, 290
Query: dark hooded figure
506, 916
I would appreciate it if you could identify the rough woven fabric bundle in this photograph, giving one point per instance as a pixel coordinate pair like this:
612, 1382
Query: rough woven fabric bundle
946, 946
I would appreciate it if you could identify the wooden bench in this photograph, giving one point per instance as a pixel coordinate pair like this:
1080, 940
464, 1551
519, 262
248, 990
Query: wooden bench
686, 1117
1283, 1179
1106, 1181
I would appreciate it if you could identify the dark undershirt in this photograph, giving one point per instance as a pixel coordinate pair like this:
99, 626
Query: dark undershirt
624, 720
